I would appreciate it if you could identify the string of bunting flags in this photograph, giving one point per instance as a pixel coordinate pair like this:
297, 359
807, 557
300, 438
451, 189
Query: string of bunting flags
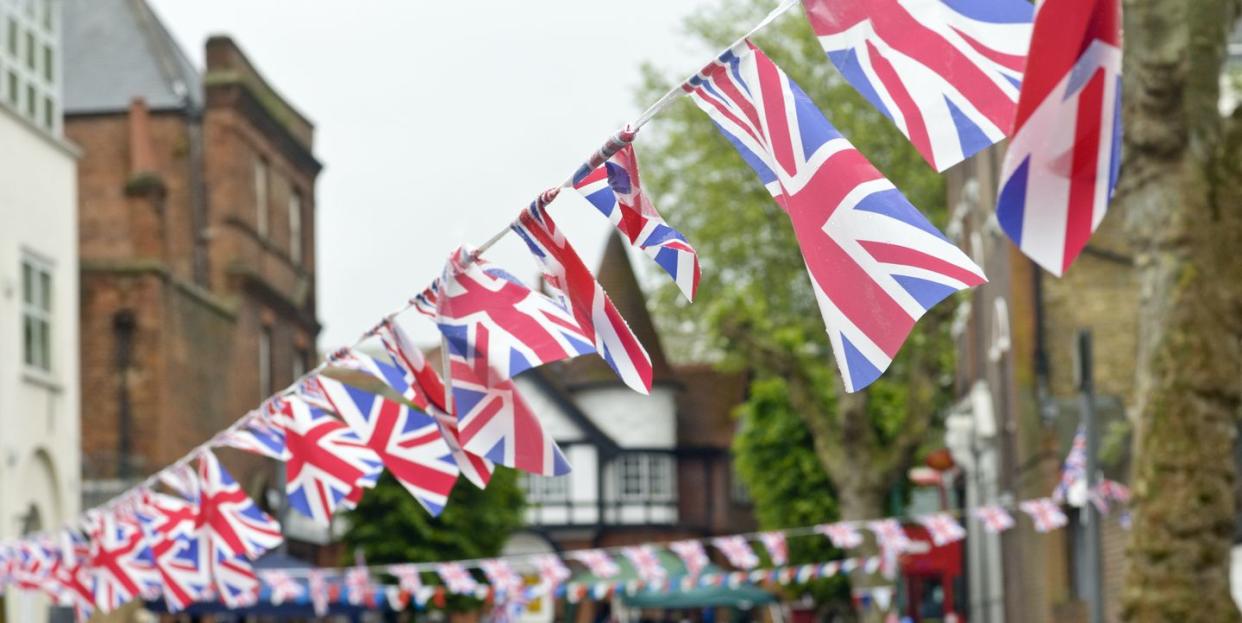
952, 75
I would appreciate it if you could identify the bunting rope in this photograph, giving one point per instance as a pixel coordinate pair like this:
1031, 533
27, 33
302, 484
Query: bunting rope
623, 137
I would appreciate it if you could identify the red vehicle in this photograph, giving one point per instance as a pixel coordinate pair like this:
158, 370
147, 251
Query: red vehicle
931, 585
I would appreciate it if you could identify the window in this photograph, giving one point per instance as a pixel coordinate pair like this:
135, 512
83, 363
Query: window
299, 363
37, 313
14, 89
48, 16
545, 488
645, 476
265, 363
295, 227
260, 196
30, 50
32, 102
12, 38
49, 64
49, 114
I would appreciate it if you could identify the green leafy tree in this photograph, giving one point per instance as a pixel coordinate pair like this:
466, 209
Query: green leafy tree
756, 308
390, 526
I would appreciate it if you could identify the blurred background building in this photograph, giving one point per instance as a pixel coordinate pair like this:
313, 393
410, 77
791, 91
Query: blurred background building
197, 240
39, 396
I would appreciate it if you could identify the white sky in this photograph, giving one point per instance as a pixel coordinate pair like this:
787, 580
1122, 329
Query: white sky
439, 121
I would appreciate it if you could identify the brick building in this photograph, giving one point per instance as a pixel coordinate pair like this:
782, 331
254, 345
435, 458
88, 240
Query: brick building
197, 240
1020, 402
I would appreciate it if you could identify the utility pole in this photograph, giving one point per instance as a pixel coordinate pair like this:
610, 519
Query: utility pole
1091, 570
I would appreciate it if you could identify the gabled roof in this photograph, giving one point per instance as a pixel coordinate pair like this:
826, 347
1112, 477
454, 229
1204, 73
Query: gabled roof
616, 275
117, 50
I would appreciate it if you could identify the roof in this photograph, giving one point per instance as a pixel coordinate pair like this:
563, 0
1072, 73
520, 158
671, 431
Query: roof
117, 50
705, 405
616, 275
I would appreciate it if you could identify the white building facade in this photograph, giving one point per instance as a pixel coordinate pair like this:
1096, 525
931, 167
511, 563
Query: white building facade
39, 423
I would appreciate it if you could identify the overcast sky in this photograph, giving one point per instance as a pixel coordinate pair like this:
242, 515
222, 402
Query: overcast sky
439, 121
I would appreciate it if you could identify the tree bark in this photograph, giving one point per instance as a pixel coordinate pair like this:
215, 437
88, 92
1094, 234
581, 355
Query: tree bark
1180, 195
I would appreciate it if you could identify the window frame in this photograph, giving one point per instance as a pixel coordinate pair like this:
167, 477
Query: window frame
265, 362
655, 473
295, 227
38, 305
262, 195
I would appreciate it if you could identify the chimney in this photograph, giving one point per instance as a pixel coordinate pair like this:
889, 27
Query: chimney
144, 179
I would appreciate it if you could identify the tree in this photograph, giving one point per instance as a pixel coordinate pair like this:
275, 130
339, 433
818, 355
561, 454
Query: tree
391, 527
755, 303
1180, 193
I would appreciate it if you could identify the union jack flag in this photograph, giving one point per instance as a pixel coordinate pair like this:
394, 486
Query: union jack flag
502, 577
889, 534
1045, 513
357, 584
571, 280
231, 529
876, 263
120, 560
182, 479
257, 435
843, 534
35, 560
426, 391
487, 314
1074, 469
407, 441
778, 549
457, 578
494, 421
326, 462
552, 570
179, 559
284, 588
738, 551
597, 561
74, 575
942, 528
609, 180
408, 577
646, 563
1061, 165
946, 72
318, 592
995, 518
692, 555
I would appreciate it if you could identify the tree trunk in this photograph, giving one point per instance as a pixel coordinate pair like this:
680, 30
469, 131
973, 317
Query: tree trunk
1180, 196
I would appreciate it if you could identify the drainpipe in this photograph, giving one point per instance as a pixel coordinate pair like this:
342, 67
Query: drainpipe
198, 189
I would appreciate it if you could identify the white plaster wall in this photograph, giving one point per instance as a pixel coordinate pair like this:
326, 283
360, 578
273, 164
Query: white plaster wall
39, 424
632, 419
555, 421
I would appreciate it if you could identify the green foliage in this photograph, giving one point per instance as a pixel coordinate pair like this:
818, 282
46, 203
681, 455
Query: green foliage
755, 285
390, 526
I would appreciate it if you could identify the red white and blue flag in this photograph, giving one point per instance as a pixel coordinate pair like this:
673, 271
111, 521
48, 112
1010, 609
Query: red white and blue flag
876, 263
646, 563
456, 578
232, 531
487, 315
1045, 513
1061, 165
692, 555
942, 528
283, 587
257, 435
407, 441
552, 571
995, 518
74, 575
180, 561
946, 72
426, 390
613, 187
327, 461
778, 548
572, 282
737, 550
1074, 469
120, 561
